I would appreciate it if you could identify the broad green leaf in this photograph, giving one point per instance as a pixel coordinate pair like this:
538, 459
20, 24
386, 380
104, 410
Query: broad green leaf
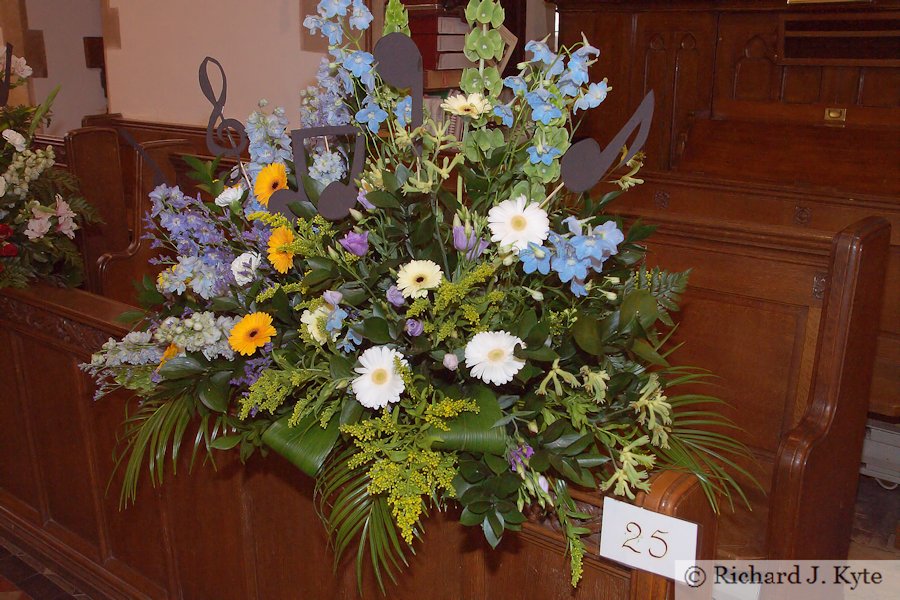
474, 432
226, 443
639, 304
181, 367
376, 330
382, 199
215, 391
587, 334
307, 445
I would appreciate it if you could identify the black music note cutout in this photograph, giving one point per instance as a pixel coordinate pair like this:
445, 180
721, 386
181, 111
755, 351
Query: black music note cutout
224, 131
399, 63
158, 177
337, 198
584, 163
7, 76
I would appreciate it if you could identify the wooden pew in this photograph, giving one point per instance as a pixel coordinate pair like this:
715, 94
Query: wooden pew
785, 320
237, 532
116, 179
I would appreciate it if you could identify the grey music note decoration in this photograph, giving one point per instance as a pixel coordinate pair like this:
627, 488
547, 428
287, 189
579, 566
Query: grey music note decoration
6, 84
584, 163
337, 198
399, 63
158, 177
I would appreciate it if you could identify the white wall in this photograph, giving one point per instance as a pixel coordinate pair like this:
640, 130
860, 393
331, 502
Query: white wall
64, 25
153, 75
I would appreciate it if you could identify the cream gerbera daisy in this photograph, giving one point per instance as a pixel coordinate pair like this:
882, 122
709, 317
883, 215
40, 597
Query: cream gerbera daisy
473, 105
490, 356
517, 223
378, 383
315, 321
416, 277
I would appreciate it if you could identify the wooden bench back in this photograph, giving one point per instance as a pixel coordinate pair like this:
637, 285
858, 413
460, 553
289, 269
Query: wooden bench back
755, 315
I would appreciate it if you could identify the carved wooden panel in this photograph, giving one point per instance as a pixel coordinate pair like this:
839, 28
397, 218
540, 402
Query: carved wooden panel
673, 56
752, 81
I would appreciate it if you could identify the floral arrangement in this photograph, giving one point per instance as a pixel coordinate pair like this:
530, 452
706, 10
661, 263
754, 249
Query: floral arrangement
40, 208
471, 334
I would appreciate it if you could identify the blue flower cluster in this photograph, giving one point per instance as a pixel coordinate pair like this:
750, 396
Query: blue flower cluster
204, 258
324, 105
574, 254
329, 18
269, 140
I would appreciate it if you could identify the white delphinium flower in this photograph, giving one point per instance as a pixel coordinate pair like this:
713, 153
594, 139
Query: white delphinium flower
378, 383
16, 139
416, 277
489, 356
473, 105
516, 223
20, 67
229, 195
244, 267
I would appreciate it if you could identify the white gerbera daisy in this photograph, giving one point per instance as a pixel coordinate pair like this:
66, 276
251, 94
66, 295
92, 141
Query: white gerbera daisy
315, 323
490, 356
416, 277
517, 223
378, 383
473, 105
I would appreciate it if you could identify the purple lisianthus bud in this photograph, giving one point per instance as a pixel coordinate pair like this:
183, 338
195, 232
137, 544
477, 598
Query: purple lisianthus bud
332, 297
395, 296
470, 244
414, 327
451, 362
356, 243
361, 198
518, 456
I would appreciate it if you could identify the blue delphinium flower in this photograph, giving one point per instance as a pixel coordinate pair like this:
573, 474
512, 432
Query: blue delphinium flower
567, 87
535, 258
577, 287
541, 52
610, 235
332, 8
333, 32
335, 320
542, 109
327, 167
504, 112
568, 266
403, 111
360, 18
595, 94
371, 115
313, 23
542, 154
516, 84
350, 342
577, 70
359, 63
573, 225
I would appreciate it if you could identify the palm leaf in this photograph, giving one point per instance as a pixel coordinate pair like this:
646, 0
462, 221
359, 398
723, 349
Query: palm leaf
351, 514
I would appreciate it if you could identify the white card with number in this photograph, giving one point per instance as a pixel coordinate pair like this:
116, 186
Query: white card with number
644, 539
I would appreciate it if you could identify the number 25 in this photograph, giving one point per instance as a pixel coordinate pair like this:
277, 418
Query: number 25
630, 528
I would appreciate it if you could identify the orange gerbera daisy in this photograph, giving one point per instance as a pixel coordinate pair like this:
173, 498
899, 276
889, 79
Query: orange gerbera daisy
281, 259
253, 331
271, 179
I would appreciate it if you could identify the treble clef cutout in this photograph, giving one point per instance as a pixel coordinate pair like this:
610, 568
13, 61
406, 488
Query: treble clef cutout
399, 63
584, 163
219, 130
7, 76
337, 198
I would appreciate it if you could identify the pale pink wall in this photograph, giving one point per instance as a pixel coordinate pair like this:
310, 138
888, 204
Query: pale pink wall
153, 76
65, 26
